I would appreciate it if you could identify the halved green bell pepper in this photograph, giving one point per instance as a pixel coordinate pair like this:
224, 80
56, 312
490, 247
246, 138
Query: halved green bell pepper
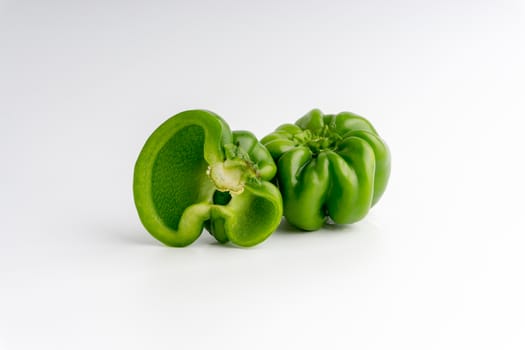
194, 173
332, 166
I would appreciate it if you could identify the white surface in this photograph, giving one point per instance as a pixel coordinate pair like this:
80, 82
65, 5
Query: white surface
438, 263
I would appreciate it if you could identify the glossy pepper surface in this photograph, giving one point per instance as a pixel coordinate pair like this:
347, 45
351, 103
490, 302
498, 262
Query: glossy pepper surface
329, 166
194, 173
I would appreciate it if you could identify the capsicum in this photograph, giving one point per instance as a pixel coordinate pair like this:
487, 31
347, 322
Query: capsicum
330, 167
194, 173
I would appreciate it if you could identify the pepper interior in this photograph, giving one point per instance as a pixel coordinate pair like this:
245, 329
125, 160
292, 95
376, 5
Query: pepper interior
179, 175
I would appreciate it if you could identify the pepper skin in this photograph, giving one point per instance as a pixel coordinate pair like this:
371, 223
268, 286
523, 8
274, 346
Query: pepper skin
328, 166
194, 173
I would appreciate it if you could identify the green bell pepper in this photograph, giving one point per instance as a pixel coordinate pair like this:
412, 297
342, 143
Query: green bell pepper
194, 173
332, 166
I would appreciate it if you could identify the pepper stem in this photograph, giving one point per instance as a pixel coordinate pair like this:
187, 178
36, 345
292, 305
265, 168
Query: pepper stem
230, 175
322, 139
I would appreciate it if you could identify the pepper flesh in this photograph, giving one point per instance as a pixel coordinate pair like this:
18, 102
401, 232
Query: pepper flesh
332, 166
194, 172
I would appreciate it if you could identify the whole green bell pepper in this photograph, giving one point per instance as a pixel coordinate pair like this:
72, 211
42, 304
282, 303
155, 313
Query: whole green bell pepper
328, 166
194, 173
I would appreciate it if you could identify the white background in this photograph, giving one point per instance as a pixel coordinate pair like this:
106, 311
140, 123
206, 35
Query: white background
439, 262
